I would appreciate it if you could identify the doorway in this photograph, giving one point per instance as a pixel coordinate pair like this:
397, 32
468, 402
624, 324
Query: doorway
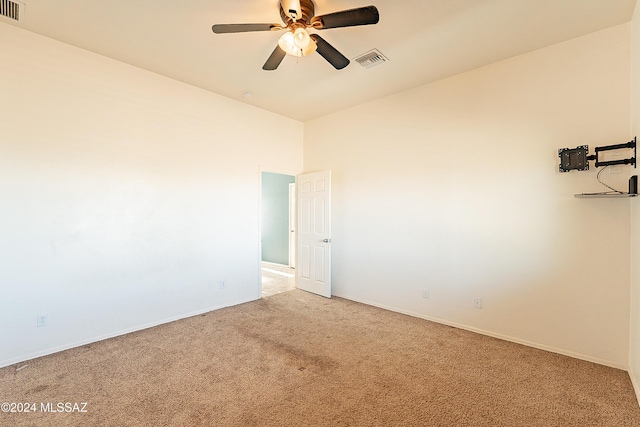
277, 233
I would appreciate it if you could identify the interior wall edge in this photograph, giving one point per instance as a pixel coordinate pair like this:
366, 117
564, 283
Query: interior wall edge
634, 382
634, 294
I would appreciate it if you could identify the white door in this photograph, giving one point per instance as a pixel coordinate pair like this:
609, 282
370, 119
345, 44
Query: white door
292, 225
314, 233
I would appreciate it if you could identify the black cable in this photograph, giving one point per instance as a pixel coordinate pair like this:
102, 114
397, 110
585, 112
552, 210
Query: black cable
608, 186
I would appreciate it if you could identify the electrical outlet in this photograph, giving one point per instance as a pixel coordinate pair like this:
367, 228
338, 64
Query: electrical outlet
425, 293
41, 320
477, 302
223, 284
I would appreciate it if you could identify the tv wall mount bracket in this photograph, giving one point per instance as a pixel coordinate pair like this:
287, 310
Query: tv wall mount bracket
578, 158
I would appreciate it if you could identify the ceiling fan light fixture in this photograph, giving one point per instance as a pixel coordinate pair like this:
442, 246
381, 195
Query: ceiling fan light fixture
301, 38
297, 43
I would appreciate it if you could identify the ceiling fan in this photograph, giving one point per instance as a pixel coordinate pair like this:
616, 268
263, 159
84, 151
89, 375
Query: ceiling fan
299, 16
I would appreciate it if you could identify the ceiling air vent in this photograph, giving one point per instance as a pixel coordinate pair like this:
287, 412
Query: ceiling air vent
371, 59
11, 9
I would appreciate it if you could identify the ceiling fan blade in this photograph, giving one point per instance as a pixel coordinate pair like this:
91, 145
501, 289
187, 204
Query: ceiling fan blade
330, 53
347, 18
243, 28
275, 59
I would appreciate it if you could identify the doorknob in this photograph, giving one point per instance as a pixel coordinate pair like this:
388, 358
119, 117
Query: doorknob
326, 241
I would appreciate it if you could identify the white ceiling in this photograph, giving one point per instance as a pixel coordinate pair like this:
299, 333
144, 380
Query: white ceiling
425, 40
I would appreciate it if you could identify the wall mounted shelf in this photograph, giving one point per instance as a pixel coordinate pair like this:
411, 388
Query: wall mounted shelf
603, 196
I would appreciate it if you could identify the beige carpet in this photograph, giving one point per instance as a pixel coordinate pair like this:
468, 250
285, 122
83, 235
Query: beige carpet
295, 359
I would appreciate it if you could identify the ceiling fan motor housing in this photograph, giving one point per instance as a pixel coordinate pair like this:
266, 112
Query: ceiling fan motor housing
307, 9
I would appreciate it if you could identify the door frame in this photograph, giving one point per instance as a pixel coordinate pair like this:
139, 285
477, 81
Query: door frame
280, 172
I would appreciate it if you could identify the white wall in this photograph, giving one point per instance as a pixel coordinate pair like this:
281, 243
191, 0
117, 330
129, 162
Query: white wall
634, 336
125, 197
454, 187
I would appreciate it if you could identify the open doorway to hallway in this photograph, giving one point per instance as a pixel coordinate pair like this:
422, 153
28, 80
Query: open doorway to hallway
278, 233
277, 278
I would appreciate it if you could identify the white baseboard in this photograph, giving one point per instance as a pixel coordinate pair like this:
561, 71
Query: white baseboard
636, 384
493, 334
45, 352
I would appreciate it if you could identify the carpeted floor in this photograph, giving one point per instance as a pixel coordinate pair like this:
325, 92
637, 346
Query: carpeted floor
295, 359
